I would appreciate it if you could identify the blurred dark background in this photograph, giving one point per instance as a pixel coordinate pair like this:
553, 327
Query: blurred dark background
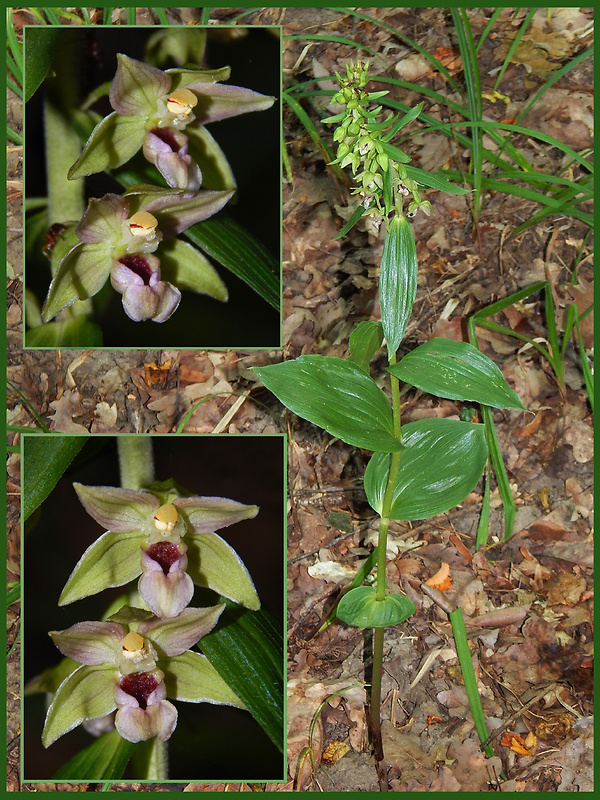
210, 742
251, 143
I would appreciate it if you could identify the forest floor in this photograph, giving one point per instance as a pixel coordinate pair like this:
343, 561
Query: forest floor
527, 599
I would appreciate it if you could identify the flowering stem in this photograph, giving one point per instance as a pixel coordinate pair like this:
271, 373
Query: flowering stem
136, 462
66, 202
150, 761
381, 564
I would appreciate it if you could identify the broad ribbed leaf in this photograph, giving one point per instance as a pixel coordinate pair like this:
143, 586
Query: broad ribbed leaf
456, 370
103, 760
360, 608
365, 341
441, 461
335, 395
44, 461
398, 281
246, 649
76, 332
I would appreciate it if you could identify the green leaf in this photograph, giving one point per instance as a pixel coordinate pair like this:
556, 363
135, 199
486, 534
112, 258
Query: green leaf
78, 332
45, 458
365, 341
335, 395
187, 268
441, 461
103, 760
435, 180
238, 251
398, 281
394, 153
360, 608
191, 677
246, 649
113, 141
356, 215
40, 45
88, 693
114, 559
458, 371
215, 564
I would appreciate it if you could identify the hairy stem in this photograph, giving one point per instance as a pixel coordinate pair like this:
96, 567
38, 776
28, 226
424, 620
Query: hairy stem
136, 462
381, 565
66, 202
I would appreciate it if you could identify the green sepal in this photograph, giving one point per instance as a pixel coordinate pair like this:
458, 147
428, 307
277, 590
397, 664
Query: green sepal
183, 77
128, 615
51, 678
88, 693
359, 607
112, 560
335, 395
113, 142
458, 371
191, 677
205, 151
214, 564
398, 280
185, 267
442, 461
81, 274
365, 341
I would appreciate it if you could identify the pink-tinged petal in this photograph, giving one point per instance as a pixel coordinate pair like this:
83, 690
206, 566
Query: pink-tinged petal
164, 586
137, 277
119, 510
91, 643
103, 220
167, 150
134, 269
203, 514
174, 636
143, 712
137, 87
169, 298
220, 101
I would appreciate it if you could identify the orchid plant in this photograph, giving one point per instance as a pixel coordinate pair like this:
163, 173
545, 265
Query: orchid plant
418, 469
120, 673
132, 238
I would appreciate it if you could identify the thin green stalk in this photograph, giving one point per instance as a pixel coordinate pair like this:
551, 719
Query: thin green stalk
136, 462
515, 43
150, 761
131, 16
205, 18
470, 681
66, 199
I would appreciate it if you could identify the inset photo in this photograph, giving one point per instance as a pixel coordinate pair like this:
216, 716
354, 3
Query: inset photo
152, 186
153, 600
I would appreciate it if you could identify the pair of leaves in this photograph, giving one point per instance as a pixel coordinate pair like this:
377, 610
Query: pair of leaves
361, 608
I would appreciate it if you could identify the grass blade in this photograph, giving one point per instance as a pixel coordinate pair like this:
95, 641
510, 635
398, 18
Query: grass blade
107, 16
468, 673
51, 14
318, 37
515, 43
310, 129
488, 28
45, 459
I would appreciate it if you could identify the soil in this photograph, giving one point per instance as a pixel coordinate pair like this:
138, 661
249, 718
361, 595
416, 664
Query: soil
533, 656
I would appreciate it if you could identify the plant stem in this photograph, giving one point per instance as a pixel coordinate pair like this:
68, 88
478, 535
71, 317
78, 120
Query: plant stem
136, 462
381, 565
66, 201
150, 761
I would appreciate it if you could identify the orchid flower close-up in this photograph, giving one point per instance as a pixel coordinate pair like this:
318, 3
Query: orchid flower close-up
169, 541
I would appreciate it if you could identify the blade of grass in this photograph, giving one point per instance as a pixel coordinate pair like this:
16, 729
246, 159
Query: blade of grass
107, 16
319, 37
13, 594
585, 366
422, 50
51, 14
205, 18
162, 15
466, 46
488, 28
514, 44
131, 16
30, 408
286, 160
14, 45
483, 528
12, 85
86, 16
13, 136
470, 681
311, 130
